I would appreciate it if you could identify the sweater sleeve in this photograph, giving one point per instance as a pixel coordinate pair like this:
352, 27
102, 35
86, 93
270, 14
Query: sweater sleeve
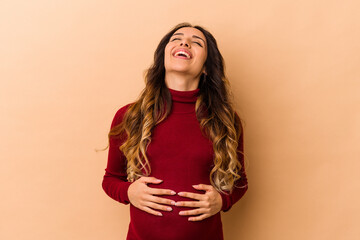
241, 184
115, 182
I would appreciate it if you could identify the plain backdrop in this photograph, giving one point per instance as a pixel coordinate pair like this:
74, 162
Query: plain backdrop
66, 67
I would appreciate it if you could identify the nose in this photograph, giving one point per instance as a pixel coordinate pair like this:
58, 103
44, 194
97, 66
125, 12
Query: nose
183, 43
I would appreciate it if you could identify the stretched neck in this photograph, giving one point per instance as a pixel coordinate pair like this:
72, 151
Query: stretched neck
181, 82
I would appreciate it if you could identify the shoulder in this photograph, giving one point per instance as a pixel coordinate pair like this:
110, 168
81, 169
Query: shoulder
122, 110
239, 125
236, 114
119, 115
238, 119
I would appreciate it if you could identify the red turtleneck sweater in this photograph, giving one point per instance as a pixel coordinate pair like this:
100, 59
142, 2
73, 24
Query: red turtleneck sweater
180, 156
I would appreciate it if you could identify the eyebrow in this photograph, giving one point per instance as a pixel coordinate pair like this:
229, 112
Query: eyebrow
194, 36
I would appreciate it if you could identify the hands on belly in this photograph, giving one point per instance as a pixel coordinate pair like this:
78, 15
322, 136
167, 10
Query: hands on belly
208, 204
143, 197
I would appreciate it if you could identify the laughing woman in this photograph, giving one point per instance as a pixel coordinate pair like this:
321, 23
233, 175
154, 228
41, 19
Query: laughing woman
176, 153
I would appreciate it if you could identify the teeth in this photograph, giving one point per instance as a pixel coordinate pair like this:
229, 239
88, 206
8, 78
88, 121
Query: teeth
182, 52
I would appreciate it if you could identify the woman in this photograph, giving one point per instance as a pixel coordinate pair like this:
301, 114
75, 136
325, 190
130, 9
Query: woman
176, 154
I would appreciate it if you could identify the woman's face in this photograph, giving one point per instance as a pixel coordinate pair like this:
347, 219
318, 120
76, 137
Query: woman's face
186, 52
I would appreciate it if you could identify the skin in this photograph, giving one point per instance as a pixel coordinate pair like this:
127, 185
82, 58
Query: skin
182, 75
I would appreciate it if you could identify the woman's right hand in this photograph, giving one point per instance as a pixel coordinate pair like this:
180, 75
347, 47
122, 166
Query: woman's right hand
142, 196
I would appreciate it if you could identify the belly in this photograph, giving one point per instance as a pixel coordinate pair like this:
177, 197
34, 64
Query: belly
172, 225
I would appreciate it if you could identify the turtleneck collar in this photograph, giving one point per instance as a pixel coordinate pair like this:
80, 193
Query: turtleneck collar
183, 101
184, 96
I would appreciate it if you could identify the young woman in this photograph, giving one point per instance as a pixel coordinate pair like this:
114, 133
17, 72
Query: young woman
176, 154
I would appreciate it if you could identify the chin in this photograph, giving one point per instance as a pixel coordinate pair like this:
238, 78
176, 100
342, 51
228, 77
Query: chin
178, 69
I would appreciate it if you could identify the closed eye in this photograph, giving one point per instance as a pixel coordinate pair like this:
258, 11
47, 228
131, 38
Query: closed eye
180, 39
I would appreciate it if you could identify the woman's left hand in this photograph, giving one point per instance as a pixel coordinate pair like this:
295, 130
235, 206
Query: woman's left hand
209, 203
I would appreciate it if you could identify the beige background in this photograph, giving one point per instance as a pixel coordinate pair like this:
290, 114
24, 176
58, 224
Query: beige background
67, 66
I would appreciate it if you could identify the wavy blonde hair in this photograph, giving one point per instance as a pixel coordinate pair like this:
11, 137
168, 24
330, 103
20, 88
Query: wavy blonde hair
214, 111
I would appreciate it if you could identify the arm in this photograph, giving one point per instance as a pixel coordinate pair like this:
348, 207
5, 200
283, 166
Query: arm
238, 192
114, 182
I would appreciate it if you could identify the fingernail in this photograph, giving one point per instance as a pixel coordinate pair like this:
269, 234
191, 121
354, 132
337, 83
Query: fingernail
194, 185
160, 214
172, 192
172, 203
158, 180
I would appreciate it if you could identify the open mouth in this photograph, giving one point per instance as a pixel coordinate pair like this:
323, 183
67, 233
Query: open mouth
182, 54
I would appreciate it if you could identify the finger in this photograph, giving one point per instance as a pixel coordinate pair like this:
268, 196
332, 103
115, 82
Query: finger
160, 200
158, 206
192, 212
191, 195
158, 191
203, 187
189, 204
147, 180
199, 218
149, 210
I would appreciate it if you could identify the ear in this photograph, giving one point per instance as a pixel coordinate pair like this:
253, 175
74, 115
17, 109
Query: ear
204, 71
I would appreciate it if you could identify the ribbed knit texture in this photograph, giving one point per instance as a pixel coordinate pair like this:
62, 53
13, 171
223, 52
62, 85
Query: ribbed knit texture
181, 156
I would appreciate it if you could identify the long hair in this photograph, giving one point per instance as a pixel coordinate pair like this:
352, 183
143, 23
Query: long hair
214, 111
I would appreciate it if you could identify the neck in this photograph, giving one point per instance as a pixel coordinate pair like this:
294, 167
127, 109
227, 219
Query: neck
181, 82
183, 101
